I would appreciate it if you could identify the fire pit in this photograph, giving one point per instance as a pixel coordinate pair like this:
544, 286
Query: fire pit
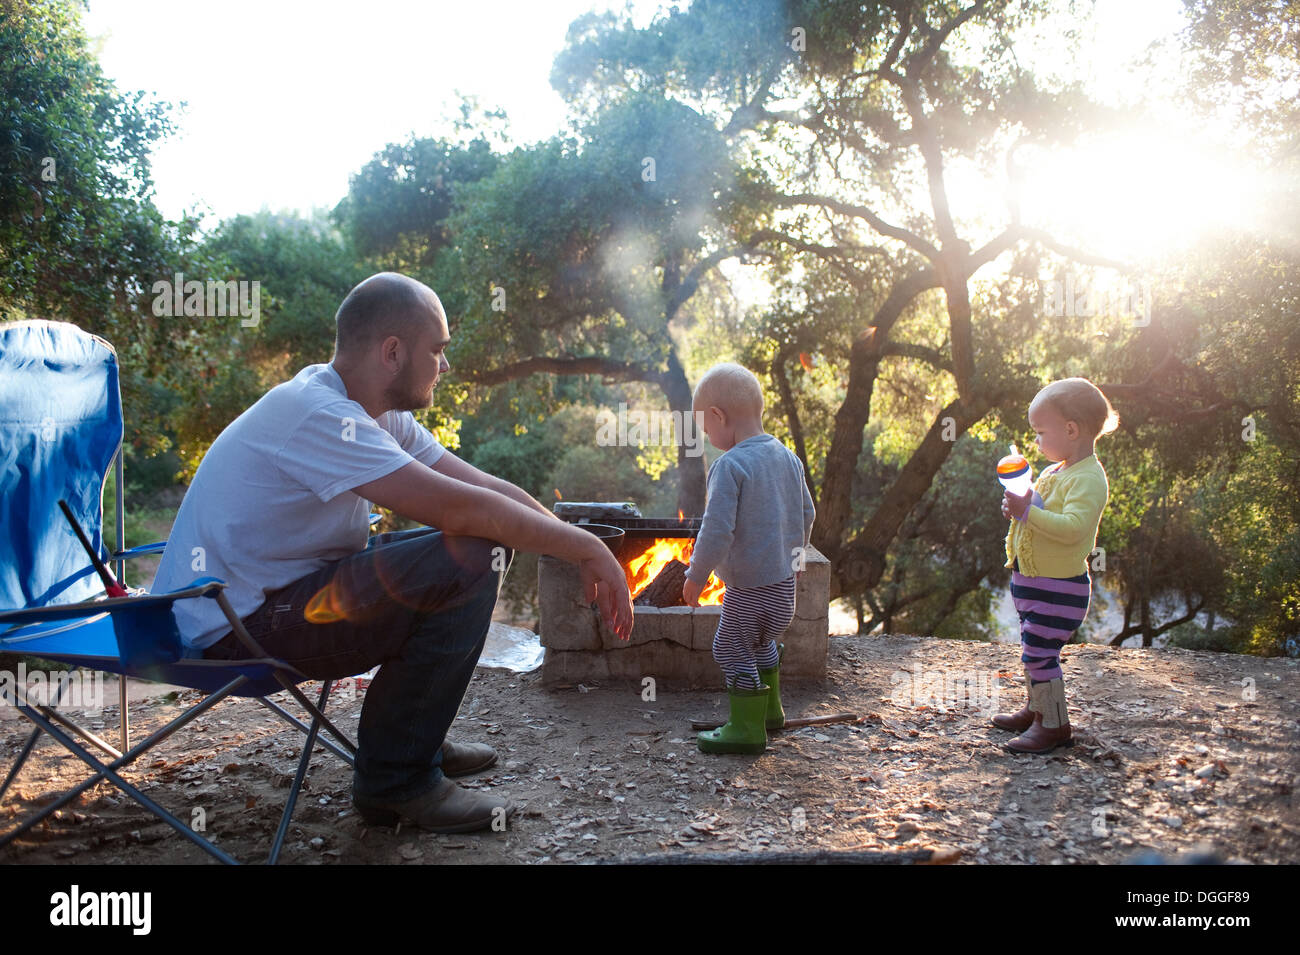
670, 644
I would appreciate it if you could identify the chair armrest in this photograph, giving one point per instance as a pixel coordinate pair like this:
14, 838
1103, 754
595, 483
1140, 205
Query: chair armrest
203, 587
144, 550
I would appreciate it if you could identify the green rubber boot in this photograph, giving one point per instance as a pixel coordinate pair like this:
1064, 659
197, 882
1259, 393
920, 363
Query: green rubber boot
775, 712
744, 731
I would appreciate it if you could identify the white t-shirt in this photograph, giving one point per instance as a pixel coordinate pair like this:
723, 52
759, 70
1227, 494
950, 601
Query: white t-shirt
272, 500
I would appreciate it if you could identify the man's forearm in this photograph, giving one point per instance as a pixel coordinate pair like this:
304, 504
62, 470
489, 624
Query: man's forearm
522, 527
475, 510
516, 493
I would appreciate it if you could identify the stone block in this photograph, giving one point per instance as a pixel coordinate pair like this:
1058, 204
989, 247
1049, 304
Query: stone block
806, 644
812, 592
671, 665
705, 625
673, 645
652, 624
565, 620
570, 667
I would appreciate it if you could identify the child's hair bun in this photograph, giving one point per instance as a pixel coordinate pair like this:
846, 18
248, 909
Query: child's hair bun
1079, 400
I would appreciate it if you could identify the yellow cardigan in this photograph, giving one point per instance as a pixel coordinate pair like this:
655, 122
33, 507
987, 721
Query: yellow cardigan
1055, 540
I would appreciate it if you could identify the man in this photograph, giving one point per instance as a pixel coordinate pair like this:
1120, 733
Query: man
278, 510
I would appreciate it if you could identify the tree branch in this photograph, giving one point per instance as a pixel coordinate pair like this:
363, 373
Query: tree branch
1070, 252
747, 114
792, 414
587, 365
862, 212
935, 37
904, 31
924, 353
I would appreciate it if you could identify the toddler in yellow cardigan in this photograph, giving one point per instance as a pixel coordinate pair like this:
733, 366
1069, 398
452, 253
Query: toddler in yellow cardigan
1048, 549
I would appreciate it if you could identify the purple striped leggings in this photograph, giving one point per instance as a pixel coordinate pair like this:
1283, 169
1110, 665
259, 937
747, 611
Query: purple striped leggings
1050, 608
751, 621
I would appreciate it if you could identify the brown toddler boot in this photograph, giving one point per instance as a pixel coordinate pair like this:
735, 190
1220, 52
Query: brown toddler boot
1020, 720
1051, 726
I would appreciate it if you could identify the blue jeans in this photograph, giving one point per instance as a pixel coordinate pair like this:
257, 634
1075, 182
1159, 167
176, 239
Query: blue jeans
417, 604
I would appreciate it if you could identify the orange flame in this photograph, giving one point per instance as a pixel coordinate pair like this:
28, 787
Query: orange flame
644, 568
558, 495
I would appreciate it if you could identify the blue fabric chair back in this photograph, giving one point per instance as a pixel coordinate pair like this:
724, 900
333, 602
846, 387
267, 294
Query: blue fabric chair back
60, 425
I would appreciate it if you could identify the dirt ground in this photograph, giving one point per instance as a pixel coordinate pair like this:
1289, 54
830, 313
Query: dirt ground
1177, 752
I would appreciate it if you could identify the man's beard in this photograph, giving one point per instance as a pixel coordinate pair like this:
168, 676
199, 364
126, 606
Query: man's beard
402, 394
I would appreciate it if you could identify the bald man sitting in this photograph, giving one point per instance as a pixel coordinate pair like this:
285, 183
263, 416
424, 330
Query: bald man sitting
278, 510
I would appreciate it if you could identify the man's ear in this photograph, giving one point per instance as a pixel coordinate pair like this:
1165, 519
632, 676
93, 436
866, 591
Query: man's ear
391, 352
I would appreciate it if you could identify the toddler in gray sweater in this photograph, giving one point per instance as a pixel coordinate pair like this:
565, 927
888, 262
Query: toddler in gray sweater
757, 521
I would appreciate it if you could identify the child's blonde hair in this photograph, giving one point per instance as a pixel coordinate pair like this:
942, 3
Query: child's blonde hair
1080, 401
731, 387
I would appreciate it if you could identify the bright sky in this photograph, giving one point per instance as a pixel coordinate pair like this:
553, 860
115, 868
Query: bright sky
287, 98
1159, 181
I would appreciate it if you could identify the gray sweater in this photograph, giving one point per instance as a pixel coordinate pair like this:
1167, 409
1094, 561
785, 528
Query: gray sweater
759, 513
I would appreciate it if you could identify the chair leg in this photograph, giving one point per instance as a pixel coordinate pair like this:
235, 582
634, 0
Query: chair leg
301, 774
315, 713
18, 763
329, 744
103, 771
123, 705
32, 740
130, 755
55, 717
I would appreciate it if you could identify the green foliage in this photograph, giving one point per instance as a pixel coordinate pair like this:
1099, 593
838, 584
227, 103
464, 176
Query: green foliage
527, 460
577, 248
305, 268
1245, 58
949, 546
77, 228
397, 206
80, 239
1193, 636
582, 237
1204, 469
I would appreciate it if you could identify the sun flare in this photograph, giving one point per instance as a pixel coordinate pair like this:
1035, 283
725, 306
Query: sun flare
1138, 196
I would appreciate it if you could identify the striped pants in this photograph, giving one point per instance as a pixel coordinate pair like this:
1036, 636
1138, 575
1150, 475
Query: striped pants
752, 619
1050, 608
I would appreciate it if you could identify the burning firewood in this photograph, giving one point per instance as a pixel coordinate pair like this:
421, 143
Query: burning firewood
666, 589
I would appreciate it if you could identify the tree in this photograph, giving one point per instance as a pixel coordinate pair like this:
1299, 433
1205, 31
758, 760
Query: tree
569, 257
80, 238
397, 206
1205, 505
303, 270
77, 228
843, 109
588, 253
949, 546
1167, 557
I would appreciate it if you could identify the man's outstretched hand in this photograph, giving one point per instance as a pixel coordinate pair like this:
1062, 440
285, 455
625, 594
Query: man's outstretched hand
604, 583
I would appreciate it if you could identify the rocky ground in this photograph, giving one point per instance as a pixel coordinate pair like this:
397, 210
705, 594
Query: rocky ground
1177, 751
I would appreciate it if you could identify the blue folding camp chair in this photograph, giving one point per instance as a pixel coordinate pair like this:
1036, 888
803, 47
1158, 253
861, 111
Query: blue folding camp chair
60, 429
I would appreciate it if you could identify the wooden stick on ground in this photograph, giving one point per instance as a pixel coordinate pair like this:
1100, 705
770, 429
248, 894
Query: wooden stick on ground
937, 856
793, 724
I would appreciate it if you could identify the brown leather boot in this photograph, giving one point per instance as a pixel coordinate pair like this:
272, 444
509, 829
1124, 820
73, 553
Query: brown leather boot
1022, 719
1051, 727
466, 759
